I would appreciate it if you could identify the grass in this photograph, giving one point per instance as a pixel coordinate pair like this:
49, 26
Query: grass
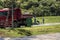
28, 31
7, 33
49, 19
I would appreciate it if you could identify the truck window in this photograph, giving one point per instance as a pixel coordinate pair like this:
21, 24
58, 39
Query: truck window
3, 13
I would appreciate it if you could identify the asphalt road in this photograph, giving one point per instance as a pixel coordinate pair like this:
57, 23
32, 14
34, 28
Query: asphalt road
52, 36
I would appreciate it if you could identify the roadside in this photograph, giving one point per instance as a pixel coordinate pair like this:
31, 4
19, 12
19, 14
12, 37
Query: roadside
47, 24
52, 36
29, 31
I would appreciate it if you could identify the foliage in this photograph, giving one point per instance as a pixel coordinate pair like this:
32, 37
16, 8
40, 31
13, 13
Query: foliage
43, 7
1, 4
49, 19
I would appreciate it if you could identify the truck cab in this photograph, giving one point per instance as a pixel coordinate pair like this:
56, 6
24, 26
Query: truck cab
18, 18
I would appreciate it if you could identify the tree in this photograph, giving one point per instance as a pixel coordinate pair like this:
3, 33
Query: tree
1, 4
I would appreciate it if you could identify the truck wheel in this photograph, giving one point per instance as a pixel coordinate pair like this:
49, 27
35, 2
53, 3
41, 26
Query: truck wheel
15, 24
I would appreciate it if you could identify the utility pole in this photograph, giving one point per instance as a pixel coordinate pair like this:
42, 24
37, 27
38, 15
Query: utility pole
13, 6
12, 16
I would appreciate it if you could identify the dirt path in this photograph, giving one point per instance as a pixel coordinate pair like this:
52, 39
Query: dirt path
47, 24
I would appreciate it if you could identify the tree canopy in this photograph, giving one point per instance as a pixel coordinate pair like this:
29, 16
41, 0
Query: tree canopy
39, 7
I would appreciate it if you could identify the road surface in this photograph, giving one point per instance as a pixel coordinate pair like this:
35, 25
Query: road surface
52, 36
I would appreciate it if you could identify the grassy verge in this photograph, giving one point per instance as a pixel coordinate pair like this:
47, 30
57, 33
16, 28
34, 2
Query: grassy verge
28, 31
49, 19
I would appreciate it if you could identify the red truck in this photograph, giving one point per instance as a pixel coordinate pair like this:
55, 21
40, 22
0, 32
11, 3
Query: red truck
18, 18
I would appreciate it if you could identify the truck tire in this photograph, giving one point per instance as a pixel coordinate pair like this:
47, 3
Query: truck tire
15, 24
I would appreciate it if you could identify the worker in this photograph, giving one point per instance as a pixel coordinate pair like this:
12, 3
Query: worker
38, 22
43, 20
